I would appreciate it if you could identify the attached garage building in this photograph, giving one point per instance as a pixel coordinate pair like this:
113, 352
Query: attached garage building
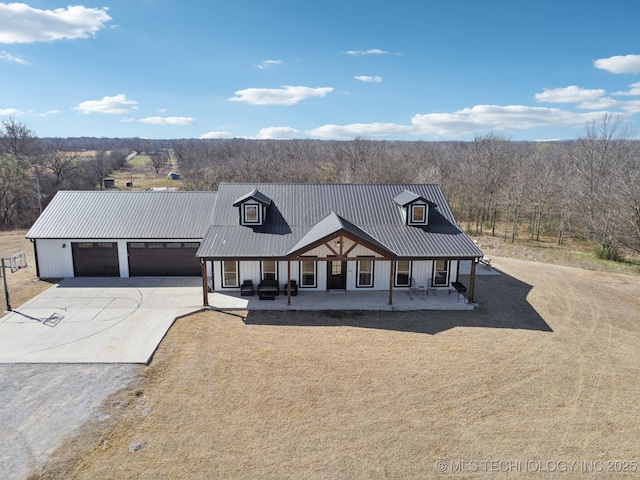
121, 234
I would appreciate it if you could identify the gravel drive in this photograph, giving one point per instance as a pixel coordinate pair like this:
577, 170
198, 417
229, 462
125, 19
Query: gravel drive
41, 404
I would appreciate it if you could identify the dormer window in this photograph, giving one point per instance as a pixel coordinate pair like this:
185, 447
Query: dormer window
251, 213
414, 208
253, 208
418, 214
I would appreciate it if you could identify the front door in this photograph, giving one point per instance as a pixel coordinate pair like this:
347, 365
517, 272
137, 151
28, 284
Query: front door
336, 275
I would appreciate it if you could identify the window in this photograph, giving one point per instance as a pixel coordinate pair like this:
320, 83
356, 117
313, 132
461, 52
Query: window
269, 270
418, 213
191, 244
307, 273
365, 273
155, 245
229, 274
440, 273
174, 245
403, 273
85, 245
138, 245
336, 268
251, 214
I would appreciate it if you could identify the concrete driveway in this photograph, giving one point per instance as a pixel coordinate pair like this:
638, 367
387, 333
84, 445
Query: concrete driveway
97, 320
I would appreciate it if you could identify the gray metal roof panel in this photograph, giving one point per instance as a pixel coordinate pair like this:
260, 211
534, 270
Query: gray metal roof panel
297, 208
333, 224
255, 195
307, 204
121, 214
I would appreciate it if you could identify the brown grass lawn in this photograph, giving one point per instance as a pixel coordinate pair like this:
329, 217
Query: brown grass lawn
23, 284
544, 372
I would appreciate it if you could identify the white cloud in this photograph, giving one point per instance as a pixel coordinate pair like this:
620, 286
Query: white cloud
571, 94
277, 133
286, 95
8, 112
631, 107
12, 58
362, 130
48, 113
495, 117
116, 105
373, 51
635, 90
477, 119
269, 64
368, 79
213, 135
589, 99
168, 120
20, 23
619, 64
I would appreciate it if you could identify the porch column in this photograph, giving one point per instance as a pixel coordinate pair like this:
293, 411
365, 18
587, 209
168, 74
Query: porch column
205, 286
288, 282
472, 280
392, 266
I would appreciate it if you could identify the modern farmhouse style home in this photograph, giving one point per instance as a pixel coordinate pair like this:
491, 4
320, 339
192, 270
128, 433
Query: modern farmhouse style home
262, 239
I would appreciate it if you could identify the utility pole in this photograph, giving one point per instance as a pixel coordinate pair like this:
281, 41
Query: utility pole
39, 194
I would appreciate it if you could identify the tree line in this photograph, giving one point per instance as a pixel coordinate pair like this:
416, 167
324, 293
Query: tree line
588, 187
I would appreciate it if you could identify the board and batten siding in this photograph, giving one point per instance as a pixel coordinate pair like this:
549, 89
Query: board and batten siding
421, 272
54, 260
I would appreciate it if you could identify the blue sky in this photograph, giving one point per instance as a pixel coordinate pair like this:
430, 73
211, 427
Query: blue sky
330, 69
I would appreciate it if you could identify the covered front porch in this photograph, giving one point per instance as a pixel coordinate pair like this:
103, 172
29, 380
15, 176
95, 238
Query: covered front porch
403, 300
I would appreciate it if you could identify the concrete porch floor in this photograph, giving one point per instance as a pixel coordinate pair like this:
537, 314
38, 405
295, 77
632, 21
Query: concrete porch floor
403, 300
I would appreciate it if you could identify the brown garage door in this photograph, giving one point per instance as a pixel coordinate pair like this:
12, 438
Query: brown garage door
95, 259
163, 259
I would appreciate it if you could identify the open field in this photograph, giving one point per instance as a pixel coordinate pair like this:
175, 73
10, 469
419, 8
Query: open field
143, 176
542, 375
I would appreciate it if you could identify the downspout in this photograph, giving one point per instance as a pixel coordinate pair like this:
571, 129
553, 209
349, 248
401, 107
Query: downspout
35, 254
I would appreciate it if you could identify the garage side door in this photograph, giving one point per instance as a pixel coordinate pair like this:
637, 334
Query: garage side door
163, 259
95, 259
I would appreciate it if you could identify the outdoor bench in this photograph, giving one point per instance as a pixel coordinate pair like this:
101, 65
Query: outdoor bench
268, 289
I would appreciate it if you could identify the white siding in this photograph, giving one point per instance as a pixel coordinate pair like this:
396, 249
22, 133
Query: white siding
421, 272
54, 260
123, 258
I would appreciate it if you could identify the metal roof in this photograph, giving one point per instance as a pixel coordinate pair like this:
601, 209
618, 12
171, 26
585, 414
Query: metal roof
333, 224
122, 214
407, 197
297, 208
255, 195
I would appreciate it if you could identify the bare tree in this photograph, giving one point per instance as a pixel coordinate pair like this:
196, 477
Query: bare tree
159, 160
63, 164
598, 158
97, 168
19, 148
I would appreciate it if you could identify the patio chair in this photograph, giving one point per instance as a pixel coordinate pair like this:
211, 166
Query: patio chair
246, 289
414, 287
294, 288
